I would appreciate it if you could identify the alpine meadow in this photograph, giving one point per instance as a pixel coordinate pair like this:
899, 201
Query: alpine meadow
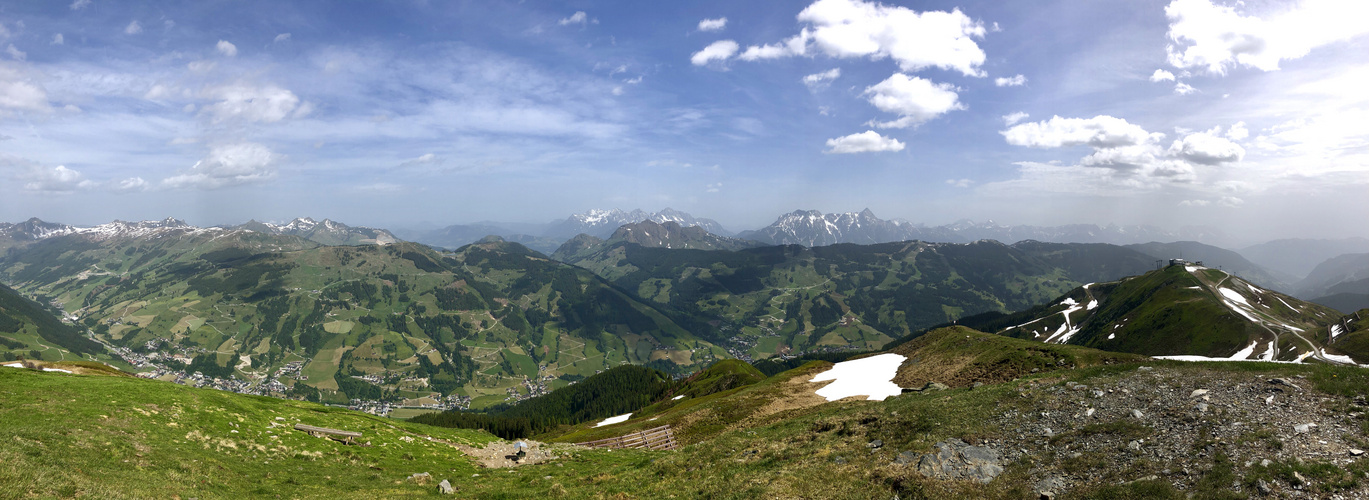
832, 249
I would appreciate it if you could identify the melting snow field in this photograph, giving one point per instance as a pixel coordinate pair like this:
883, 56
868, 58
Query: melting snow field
872, 376
614, 420
20, 365
677, 398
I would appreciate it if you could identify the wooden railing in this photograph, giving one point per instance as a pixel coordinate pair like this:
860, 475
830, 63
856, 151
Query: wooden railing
659, 438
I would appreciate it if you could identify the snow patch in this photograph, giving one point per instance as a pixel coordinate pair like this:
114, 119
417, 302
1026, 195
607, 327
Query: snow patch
1112, 336
1093, 304
872, 376
1069, 301
1245, 353
14, 365
1192, 268
1336, 330
614, 420
676, 398
59, 370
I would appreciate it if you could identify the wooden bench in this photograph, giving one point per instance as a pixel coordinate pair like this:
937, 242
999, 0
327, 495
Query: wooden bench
335, 434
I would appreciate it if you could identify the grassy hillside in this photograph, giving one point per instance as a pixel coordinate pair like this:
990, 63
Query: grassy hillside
1179, 310
29, 330
791, 299
107, 437
490, 323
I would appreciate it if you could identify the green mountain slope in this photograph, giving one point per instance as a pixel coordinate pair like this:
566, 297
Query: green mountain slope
669, 234
1221, 258
29, 330
1098, 425
1181, 310
786, 300
492, 322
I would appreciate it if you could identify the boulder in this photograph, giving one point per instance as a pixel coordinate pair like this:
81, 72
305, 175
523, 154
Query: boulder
954, 459
421, 478
445, 488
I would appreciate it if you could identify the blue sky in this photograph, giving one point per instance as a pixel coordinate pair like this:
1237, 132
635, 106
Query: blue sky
1247, 116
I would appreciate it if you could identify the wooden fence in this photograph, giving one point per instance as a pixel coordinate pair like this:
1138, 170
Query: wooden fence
659, 438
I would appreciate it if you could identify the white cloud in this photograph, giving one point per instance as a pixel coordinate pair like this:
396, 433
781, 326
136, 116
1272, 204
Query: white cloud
714, 187
283, 37
960, 183
720, 50
1133, 155
1230, 201
868, 141
133, 28
201, 66
80, 4
1012, 81
1161, 75
713, 24
1216, 38
1182, 88
577, 18
225, 166
617, 90
823, 79
1194, 203
914, 40
58, 39
18, 93
15, 53
1206, 148
226, 48
424, 159
58, 180
130, 185
1101, 131
1011, 119
914, 99
266, 104
1238, 132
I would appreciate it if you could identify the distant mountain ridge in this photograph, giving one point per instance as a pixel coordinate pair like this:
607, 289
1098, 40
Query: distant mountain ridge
813, 228
651, 234
325, 232
603, 223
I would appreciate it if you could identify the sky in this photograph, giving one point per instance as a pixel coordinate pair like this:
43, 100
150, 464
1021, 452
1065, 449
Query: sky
1248, 116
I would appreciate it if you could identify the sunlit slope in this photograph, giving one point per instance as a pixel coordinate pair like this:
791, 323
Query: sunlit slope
29, 330
1182, 310
477, 322
787, 299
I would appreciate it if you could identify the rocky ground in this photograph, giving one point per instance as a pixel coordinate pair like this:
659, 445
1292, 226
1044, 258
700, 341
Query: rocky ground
1254, 434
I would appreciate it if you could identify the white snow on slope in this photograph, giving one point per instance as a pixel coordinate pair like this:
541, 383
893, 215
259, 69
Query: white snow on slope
1093, 304
13, 365
872, 376
1336, 330
1236, 302
614, 420
1067, 329
1245, 353
677, 398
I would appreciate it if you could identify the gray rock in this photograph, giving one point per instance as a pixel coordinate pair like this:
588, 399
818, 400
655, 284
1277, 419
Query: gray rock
1304, 428
954, 459
1137, 414
445, 488
935, 386
1197, 392
906, 458
1202, 407
876, 444
1081, 387
1283, 382
1134, 445
1050, 487
1145, 368
1355, 452
421, 477
839, 460
1263, 487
